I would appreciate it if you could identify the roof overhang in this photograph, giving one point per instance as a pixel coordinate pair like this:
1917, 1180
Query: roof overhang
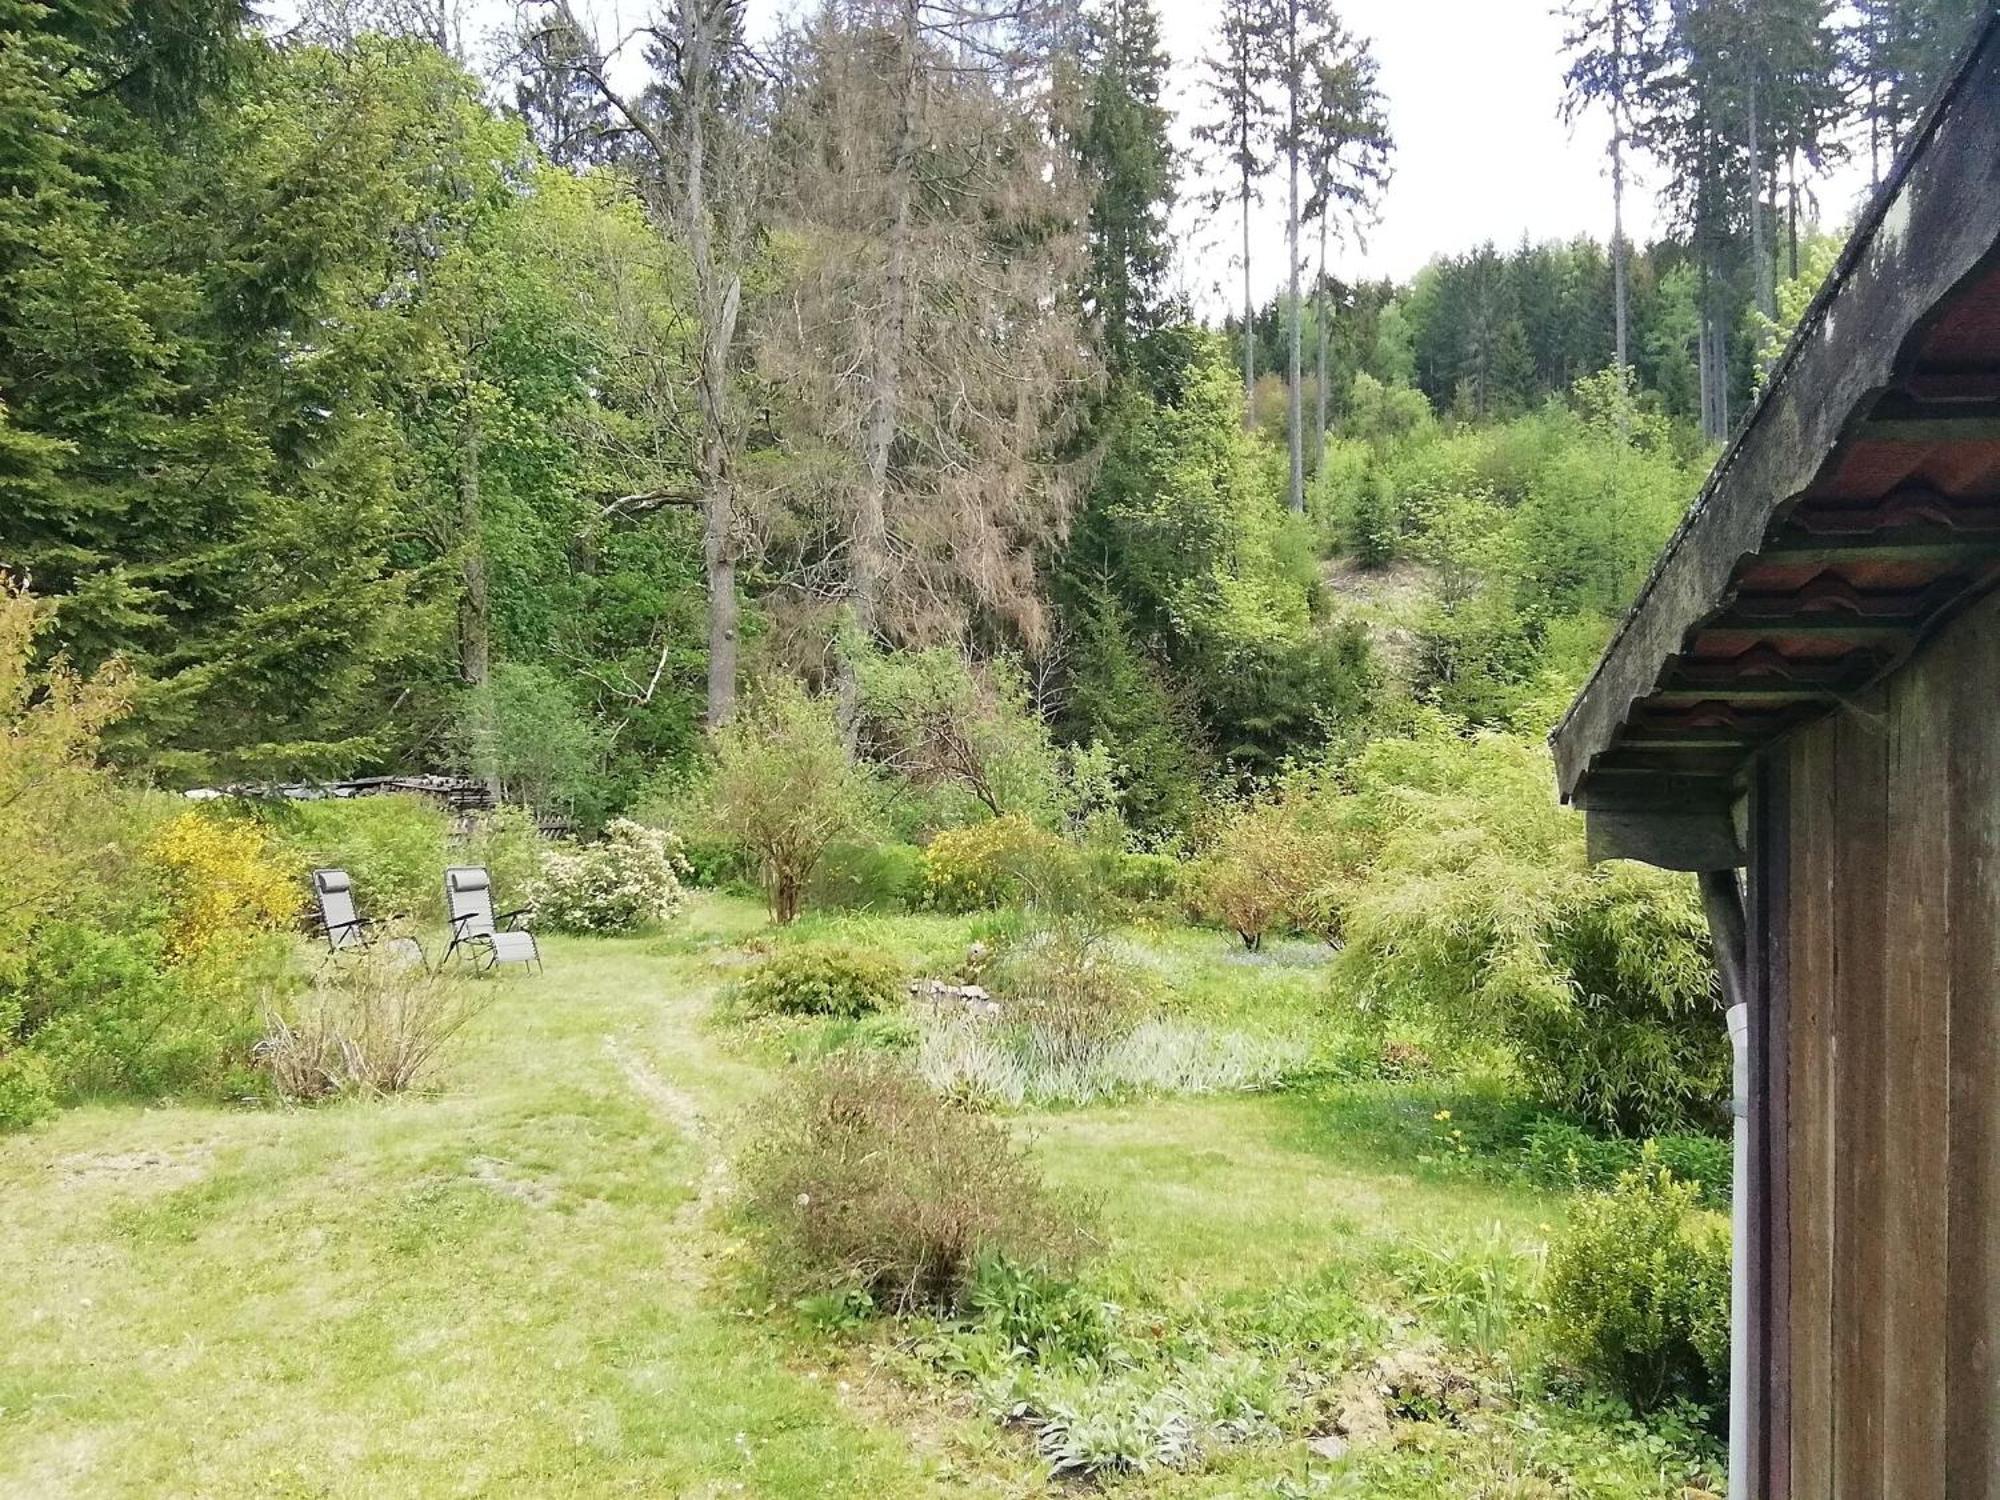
1856, 510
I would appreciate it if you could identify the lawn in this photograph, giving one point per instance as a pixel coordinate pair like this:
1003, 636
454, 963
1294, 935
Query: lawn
526, 1282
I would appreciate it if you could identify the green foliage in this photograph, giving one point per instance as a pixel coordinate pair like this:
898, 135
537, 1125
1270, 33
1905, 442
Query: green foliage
989, 864
782, 788
523, 734
863, 875
858, 1177
625, 881
1479, 910
393, 847
1560, 1153
947, 725
843, 980
135, 933
1638, 1292
1473, 1293
1185, 558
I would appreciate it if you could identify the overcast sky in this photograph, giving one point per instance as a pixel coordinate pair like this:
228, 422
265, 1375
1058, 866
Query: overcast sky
1472, 87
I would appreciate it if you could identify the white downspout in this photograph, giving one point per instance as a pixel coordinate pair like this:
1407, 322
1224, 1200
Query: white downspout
1722, 898
1739, 1261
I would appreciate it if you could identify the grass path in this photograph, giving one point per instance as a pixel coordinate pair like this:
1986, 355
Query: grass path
519, 1286
502, 1291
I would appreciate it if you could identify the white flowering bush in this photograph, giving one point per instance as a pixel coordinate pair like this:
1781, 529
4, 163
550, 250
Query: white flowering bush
628, 879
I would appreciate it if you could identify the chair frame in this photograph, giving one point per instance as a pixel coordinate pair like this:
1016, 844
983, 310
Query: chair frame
365, 929
504, 921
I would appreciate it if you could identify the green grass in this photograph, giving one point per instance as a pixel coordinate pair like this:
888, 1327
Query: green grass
523, 1283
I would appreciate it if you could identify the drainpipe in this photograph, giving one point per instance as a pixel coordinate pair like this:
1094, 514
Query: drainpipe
1722, 897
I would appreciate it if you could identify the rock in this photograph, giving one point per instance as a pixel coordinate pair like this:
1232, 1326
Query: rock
1329, 1447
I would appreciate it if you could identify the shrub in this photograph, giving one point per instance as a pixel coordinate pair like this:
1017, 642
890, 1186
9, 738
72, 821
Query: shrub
225, 882
1477, 910
1638, 1291
1262, 870
824, 979
108, 1014
783, 787
393, 847
868, 876
858, 1177
1065, 996
372, 1023
1147, 879
994, 862
626, 880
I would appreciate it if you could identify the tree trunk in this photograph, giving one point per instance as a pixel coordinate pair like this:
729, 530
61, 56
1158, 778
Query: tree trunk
718, 543
1619, 294
1760, 254
1319, 320
718, 295
475, 606
475, 611
1249, 318
869, 560
1294, 412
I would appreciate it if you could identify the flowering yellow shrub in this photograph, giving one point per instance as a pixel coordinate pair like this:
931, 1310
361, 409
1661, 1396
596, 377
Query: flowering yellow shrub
984, 864
225, 883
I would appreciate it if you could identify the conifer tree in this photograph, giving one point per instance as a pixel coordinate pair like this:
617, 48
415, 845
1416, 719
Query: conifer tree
1131, 168
1240, 128
1610, 44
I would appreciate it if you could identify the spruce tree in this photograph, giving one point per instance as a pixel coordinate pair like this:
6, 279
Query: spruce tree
1131, 167
1240, 129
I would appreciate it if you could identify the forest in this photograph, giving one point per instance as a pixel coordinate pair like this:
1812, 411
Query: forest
1041, 767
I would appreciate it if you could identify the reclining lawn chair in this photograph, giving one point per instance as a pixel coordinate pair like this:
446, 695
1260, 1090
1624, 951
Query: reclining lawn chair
345, 929
501, 939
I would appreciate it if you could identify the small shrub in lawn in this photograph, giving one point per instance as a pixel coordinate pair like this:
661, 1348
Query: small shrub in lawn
824, 979
1638, 1291
858, 1177
1066, 995
627, 880
1146, 879
370, 1023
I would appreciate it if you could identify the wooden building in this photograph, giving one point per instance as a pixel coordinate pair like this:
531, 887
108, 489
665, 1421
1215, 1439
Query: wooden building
1804, 706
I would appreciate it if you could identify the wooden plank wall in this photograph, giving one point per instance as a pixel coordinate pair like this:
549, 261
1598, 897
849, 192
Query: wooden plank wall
1892, 1072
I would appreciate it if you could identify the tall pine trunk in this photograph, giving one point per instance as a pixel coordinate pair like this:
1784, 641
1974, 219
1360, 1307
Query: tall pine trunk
1294, 411
1618, 254
1319, 322
475, 605
1249, 318
1760, 255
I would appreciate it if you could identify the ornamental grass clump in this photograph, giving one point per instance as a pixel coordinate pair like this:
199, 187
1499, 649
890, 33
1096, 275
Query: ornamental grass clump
627, 880
857, 1178
371, 1022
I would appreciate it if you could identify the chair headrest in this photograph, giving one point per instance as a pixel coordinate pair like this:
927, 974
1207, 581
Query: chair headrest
331, 881
468, 878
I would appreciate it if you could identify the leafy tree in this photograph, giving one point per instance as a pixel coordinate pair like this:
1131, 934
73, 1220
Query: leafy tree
783, 786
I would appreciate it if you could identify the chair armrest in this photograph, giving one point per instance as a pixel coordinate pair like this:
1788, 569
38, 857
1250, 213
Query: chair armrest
513, 918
